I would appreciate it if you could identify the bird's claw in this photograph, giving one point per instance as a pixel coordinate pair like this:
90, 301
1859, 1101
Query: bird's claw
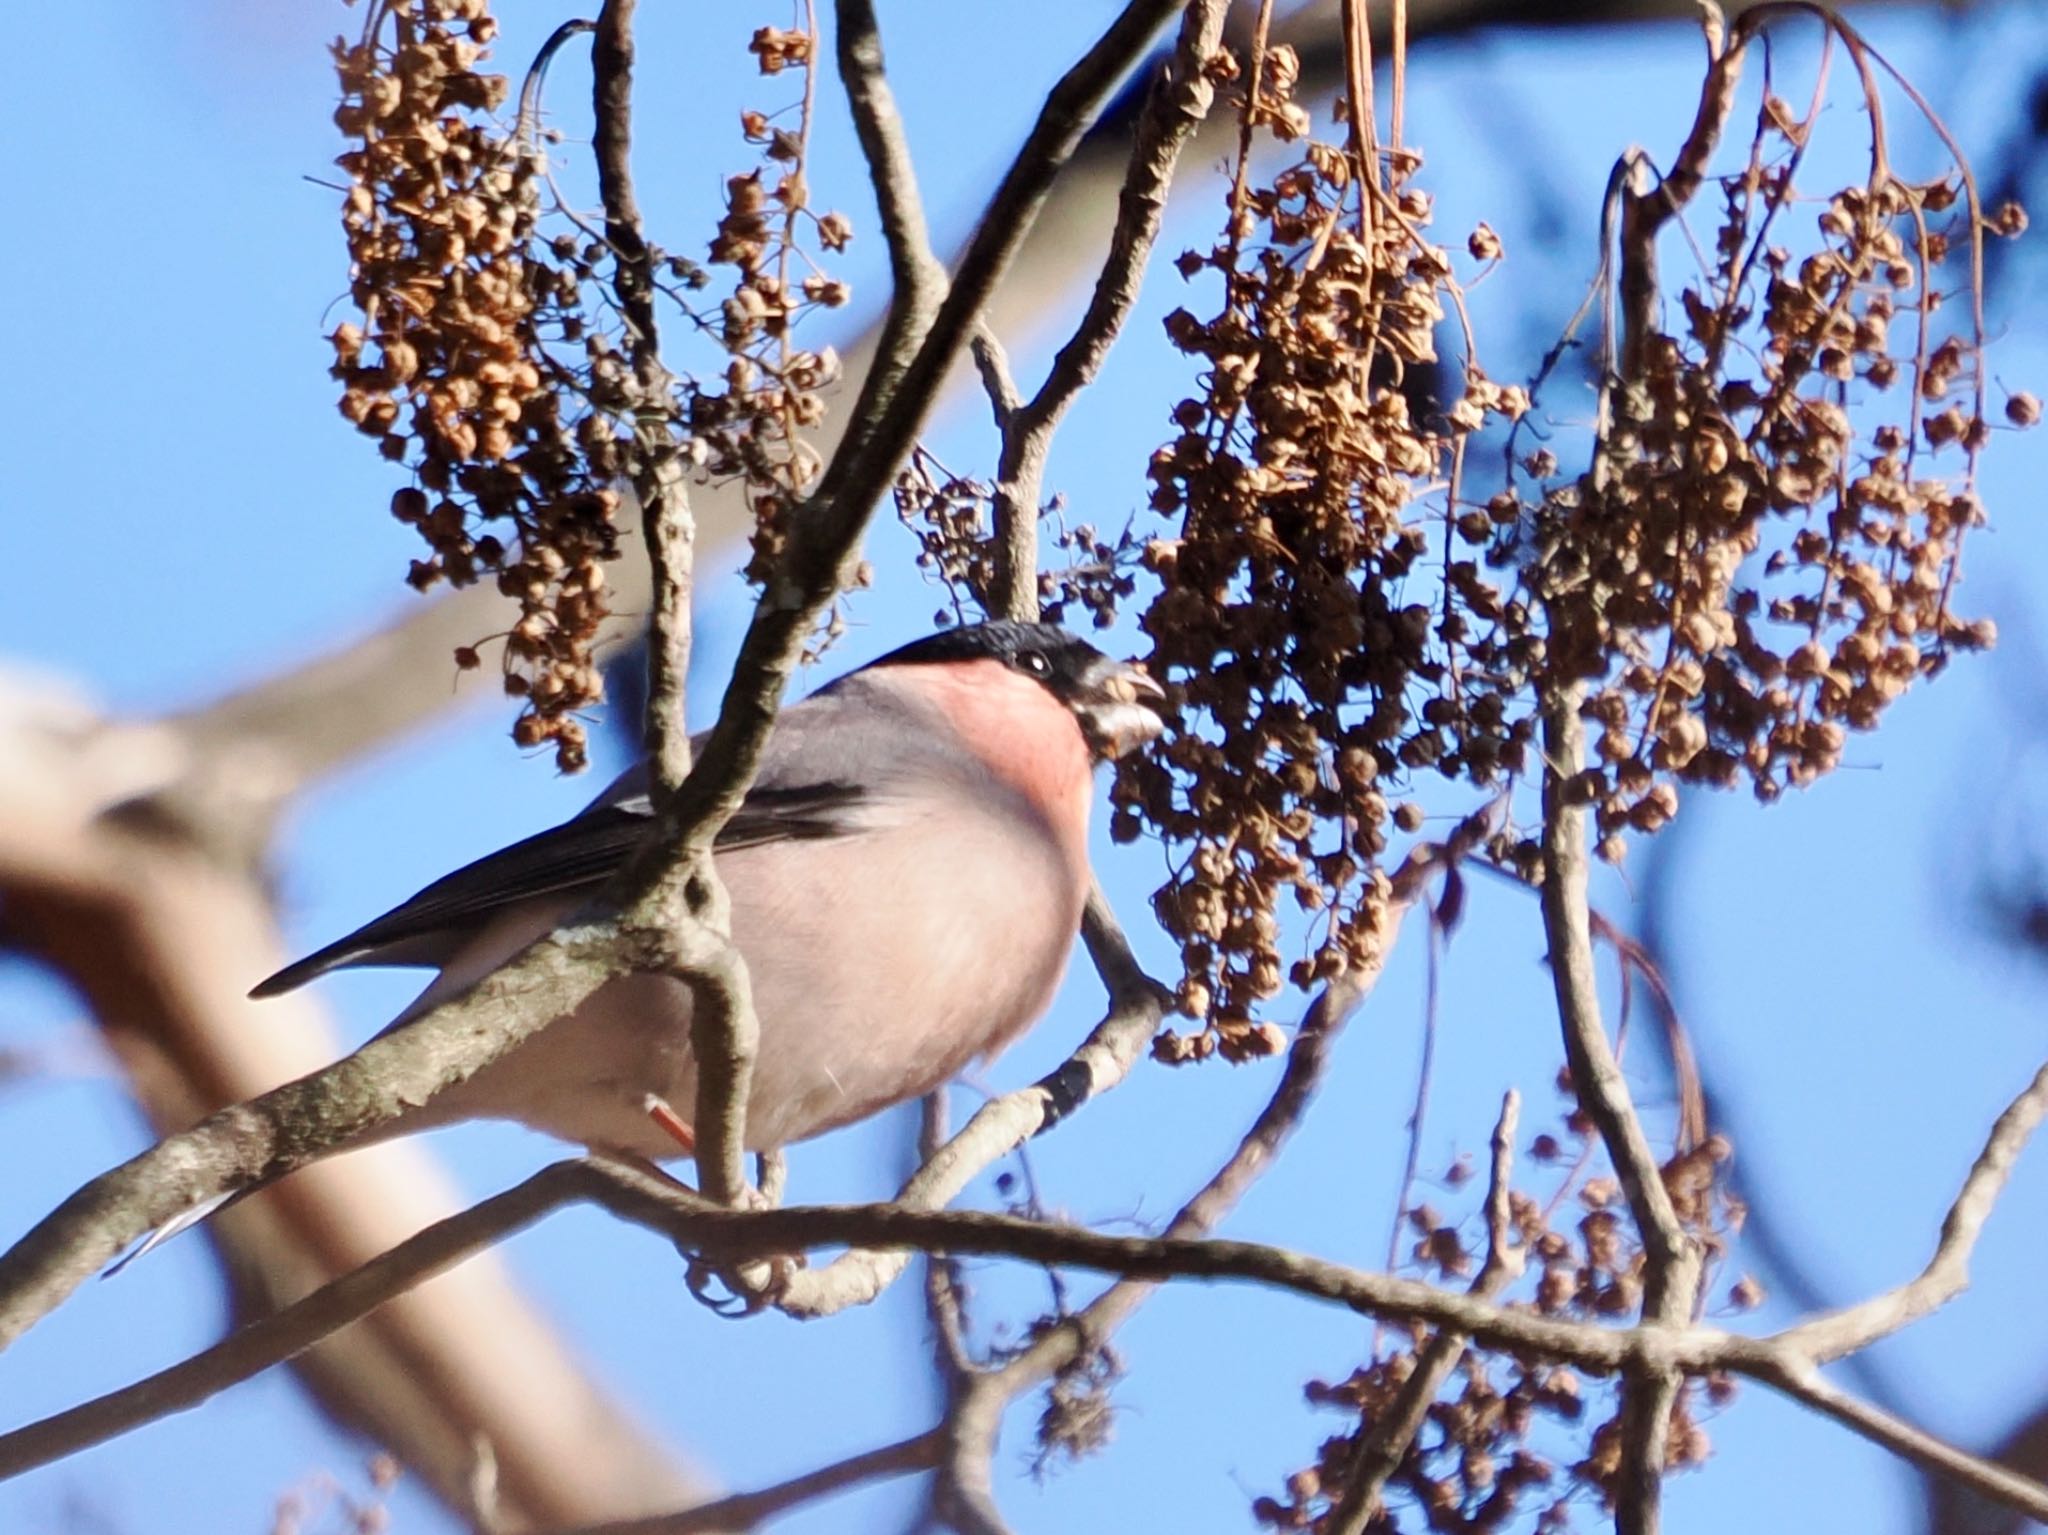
744, 1289
752, 1285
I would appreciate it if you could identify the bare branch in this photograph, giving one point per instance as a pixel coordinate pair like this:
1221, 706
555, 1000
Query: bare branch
746, 1509
997, 382
657, 472
1947, 1272
1644, 212
1381, 1451
724, 1033
1671, 1259
1174, 108
285, 1334
917, 280
1803, 1382
736, 1235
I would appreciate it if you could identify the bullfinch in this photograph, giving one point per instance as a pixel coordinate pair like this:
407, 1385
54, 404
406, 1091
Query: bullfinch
907, 876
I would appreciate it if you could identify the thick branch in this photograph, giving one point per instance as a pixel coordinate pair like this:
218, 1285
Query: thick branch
287, 1333
299, 1122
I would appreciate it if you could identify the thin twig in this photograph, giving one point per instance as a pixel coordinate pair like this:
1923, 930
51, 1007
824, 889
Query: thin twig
917, 280
657, 469
690, 910
744, 1510
1804, 1383
1837, 1333
1175, 108
1381, 1449
945, 1303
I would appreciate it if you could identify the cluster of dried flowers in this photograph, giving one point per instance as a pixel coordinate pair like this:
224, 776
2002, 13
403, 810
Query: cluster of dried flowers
1515, 1442
490, 362
950, 516
1752, 573
1749, 569
751, 422
451, 369
953, 518
1315, 672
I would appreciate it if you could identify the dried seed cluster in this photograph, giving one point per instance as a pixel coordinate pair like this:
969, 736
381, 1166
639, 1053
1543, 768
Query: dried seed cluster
491, 360
1098, 574
750, 422
449, 368
1496, 1447
1757, 561
1292, 615
1752, 572
952, 518
949, 515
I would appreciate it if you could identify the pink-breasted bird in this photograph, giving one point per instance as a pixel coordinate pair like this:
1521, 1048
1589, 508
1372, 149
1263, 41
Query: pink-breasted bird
907, 876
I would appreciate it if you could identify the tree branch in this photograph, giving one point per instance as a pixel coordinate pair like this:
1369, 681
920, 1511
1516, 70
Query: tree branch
1381, 1450
1175, 108
744, 1510
1946, 1275
724, 1033
917, 280
656, 468
737, 1235
1670, 1258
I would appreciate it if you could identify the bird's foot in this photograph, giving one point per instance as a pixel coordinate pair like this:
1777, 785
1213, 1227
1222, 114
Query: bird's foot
731, 1289
742, 1289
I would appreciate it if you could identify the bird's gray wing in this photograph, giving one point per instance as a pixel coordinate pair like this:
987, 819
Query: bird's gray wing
579, 855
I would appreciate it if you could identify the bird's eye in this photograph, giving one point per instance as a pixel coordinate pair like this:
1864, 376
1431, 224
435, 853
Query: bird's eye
1034, 662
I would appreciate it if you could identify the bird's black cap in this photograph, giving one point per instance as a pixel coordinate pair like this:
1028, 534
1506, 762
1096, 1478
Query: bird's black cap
1062, 660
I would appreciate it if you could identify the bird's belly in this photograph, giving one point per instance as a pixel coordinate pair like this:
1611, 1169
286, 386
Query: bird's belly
881, 966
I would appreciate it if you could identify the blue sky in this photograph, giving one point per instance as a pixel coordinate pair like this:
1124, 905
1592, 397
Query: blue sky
190, 513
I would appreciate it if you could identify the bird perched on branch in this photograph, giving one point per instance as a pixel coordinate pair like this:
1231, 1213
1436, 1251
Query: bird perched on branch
907, 876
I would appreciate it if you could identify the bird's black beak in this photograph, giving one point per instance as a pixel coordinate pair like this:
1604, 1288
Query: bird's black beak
1118, 706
